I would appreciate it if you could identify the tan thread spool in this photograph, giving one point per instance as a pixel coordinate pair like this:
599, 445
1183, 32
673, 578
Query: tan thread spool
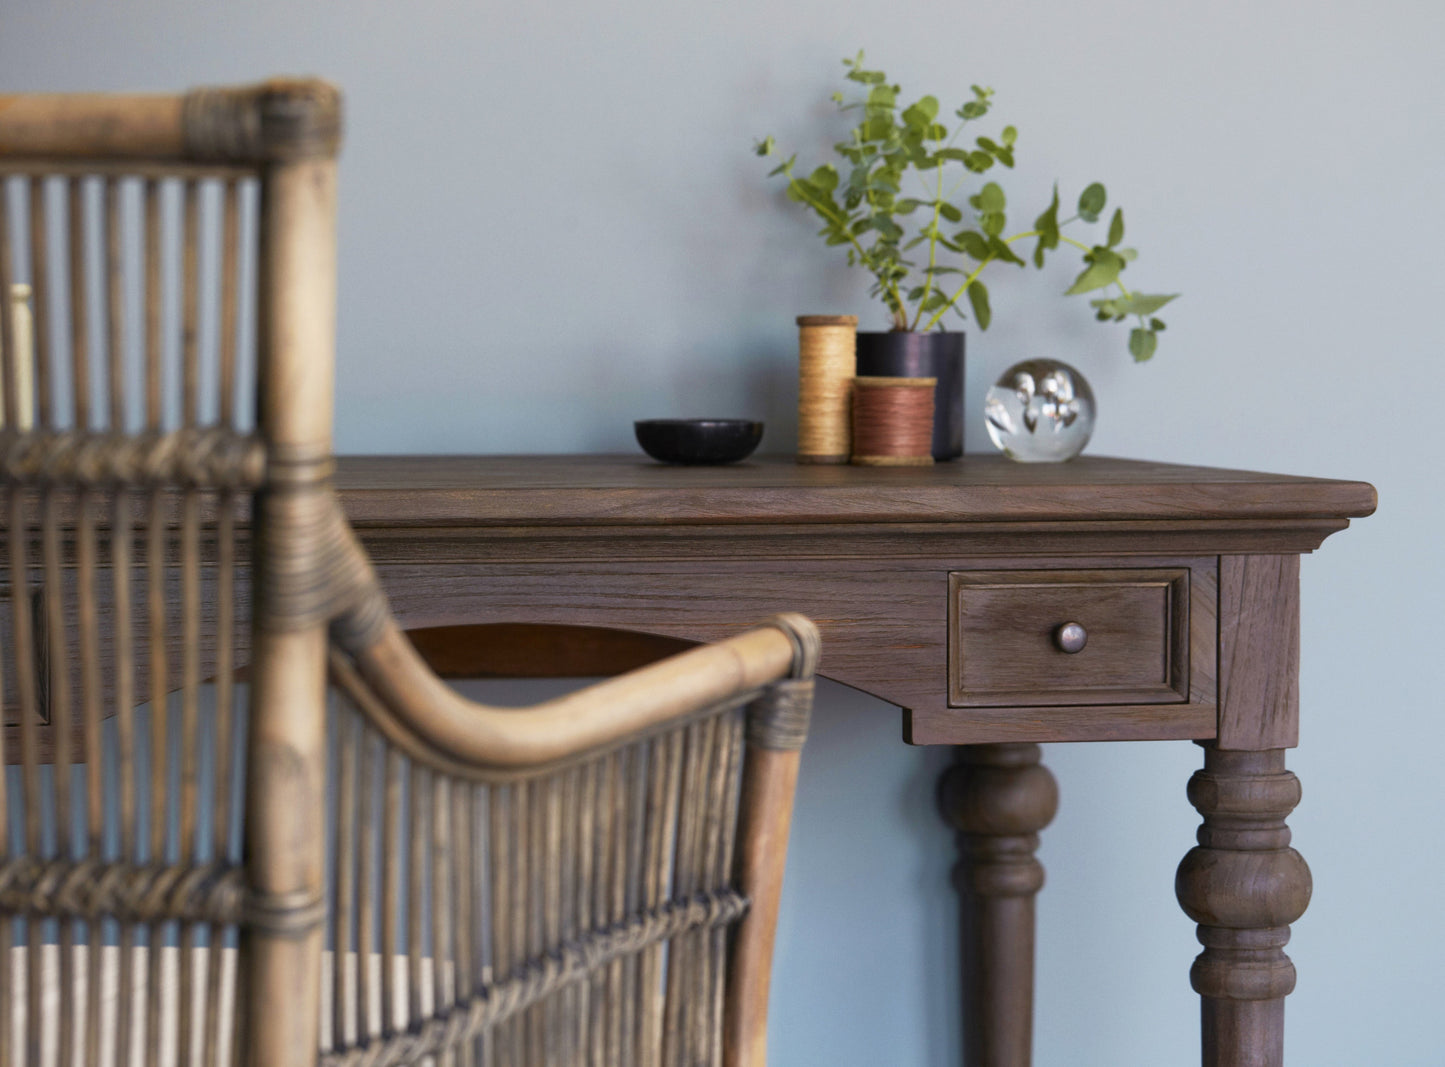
827, 363
893, 421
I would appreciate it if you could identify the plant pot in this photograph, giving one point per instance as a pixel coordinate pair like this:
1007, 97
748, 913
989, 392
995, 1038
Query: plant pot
900, 354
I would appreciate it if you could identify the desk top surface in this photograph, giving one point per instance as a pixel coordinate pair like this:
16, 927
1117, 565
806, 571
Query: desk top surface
633, 490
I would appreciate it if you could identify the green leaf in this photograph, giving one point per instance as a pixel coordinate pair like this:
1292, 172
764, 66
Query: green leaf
1141, 303
1048, 226
907, 206
1142, 344
949, 212
922, 113
877, 127
1002, 251
978, 162
1091, 202
974, 244
887, 227
1116, 227
882, 96
989, 198
1009, 135
978, 297
958, 154
825, 178
1102, 270
765, 147
1157, 325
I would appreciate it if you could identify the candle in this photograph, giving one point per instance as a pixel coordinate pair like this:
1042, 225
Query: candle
22, 329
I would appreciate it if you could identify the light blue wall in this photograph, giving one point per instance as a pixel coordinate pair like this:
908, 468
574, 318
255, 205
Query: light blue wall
551, 225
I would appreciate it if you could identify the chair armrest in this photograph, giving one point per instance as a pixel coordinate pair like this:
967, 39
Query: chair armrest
605, 713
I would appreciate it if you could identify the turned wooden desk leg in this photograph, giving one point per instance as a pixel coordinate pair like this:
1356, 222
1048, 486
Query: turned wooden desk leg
1243, 885
998, 798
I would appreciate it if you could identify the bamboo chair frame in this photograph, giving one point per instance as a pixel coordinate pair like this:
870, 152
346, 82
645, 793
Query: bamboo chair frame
712, 735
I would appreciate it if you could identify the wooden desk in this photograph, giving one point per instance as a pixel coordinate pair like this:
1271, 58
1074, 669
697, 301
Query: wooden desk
944, 590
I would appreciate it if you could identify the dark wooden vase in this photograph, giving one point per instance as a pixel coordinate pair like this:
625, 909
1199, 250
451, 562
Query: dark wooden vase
900, 354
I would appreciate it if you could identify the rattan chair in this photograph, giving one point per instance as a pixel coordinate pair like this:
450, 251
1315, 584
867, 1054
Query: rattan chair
244, 822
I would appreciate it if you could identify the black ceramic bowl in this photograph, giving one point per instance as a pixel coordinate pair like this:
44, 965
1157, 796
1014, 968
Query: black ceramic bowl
698, 440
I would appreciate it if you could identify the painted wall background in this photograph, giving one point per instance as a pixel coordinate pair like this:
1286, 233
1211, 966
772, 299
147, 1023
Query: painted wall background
552, 225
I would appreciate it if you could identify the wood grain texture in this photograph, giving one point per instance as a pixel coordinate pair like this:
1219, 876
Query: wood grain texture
609, 490
1244, 886
1259, 652
998, 798
1003, 649
884, 627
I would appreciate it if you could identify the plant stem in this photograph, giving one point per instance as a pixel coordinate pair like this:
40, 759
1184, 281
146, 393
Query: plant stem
827, 209
973, 278
932, 250
1123, 289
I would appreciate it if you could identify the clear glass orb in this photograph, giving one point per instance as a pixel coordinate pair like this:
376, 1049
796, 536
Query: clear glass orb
1040, 411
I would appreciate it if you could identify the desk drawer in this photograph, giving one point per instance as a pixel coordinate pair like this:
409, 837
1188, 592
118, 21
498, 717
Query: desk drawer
1006, 648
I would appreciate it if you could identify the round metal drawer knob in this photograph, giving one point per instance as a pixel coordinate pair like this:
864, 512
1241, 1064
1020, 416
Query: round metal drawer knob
1071, 637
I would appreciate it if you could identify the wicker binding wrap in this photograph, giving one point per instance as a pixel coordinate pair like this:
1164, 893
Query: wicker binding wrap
242, 822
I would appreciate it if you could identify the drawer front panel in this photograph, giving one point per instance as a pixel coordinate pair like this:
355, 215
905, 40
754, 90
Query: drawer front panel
1005, 648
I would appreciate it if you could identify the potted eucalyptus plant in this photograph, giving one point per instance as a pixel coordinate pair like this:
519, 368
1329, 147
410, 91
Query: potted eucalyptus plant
908, 204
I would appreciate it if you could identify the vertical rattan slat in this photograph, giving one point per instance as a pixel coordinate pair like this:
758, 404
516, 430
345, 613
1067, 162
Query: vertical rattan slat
344, 877
59, 706
418, 808
40, 303
79, 304
441, 907
463, 889
25, 684
392, 1005
230, 282
9, 363
157, 619
368, 1024
91, 696
7, 937
114, 306
508, 945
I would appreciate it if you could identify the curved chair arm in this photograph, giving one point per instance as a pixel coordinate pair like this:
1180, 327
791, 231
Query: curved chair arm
605, 713
598, 715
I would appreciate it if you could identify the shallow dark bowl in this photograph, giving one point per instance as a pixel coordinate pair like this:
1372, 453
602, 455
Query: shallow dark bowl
698, 440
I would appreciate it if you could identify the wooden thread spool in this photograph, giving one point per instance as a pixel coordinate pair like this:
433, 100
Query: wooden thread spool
893, 421
827, 362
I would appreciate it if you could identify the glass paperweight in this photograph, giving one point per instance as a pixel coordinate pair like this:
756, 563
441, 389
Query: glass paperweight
1040, 411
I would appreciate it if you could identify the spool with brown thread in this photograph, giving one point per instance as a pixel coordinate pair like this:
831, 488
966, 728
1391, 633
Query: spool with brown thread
827, 363
893, 421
